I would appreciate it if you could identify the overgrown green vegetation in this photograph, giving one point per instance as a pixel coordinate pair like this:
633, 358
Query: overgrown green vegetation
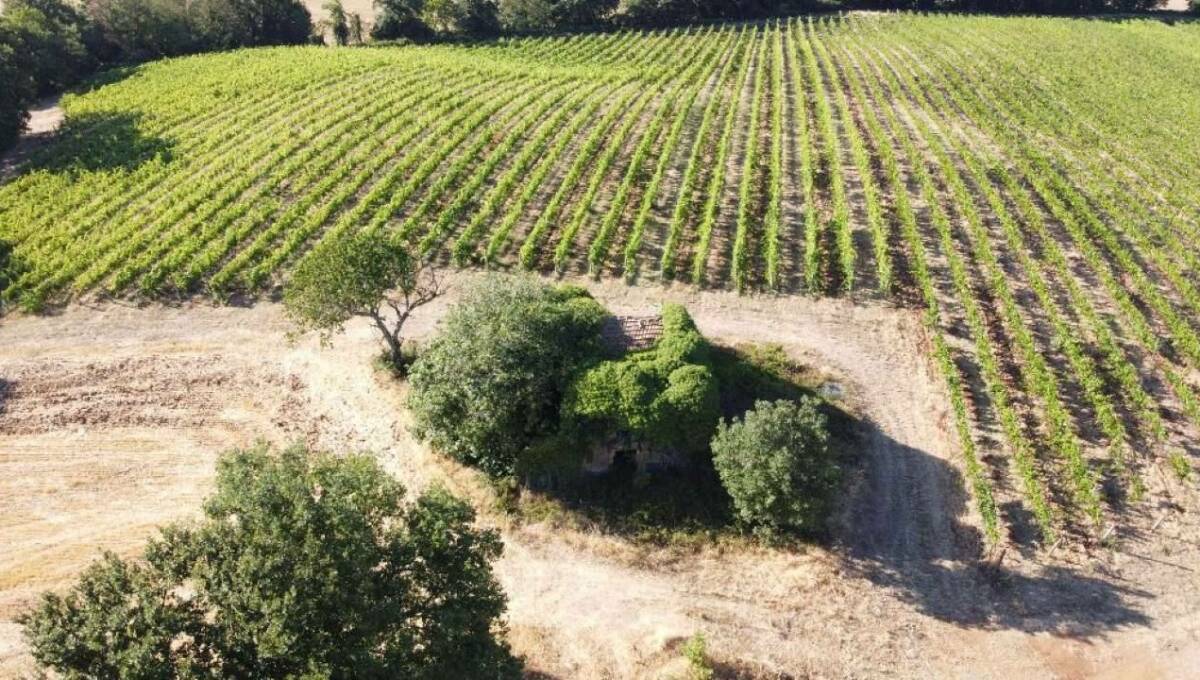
491, 394
667, 395
305, 565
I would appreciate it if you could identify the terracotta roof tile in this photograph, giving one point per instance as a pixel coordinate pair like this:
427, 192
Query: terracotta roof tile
631, 333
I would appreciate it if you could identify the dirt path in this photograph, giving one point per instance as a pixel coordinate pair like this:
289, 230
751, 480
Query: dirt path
110, 418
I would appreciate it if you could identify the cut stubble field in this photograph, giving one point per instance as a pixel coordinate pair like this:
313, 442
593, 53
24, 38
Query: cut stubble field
113, 415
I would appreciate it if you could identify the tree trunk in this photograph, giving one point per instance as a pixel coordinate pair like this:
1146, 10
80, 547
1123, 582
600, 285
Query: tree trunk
390, 338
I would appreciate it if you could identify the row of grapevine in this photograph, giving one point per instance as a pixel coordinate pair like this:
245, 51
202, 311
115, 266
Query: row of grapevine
694, 167
717, 180
690, 83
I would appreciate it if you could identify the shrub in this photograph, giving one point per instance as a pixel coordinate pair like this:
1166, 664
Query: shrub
364, 275
695, 651
776, 465
304, 565
1196, 7
492, 382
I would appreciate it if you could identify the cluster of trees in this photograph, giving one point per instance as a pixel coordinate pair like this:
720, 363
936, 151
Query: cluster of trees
518, 374
418, 19
426, 19
47, 46
304, 566
518, 382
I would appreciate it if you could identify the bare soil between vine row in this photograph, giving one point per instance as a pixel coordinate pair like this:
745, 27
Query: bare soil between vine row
111, 417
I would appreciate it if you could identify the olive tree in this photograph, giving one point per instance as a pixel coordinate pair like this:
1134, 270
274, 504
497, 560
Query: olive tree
492, 381
366, 275
304, 565
776, 465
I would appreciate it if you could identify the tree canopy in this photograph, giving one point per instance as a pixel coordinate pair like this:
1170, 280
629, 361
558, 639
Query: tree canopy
492, 381
364, 275
304, 566
776, 465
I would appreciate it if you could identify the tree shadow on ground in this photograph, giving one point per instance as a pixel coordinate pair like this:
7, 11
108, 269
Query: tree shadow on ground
93, 142
905, 532
6, 389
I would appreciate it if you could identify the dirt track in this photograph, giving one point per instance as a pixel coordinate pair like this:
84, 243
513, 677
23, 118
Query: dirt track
111, 418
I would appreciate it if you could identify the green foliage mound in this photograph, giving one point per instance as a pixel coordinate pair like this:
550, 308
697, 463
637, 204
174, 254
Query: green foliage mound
777, 467
304, 566
492, 382
667, 395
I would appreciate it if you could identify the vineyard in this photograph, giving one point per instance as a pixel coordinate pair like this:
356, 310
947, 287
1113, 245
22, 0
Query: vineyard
1032, 185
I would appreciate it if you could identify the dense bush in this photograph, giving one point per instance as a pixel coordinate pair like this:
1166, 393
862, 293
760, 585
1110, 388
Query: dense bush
666, 395
492, 382
1196, 7
523, 16
582, 12
227, 24
147, 29
303, 566
776, 465
48, 37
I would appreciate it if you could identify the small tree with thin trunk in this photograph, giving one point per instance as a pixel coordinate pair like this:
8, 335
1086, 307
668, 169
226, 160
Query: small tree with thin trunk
365, 275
